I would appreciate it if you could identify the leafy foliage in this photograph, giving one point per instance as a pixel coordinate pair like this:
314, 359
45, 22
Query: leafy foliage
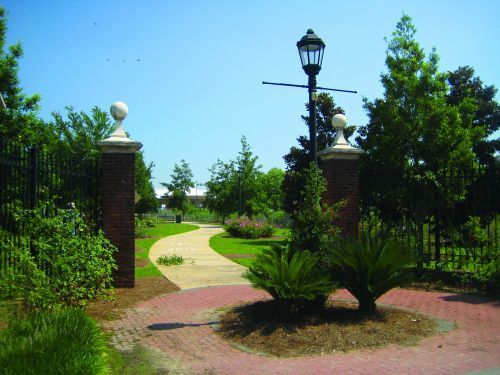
370, 268
20, 120
245, 228
179, 186
290, 277
416, 132
260, 192
465, 87
171, 260
69, 265
66, 342
313, 222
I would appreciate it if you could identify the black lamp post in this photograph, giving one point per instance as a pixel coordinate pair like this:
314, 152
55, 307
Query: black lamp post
311, 51
239, 189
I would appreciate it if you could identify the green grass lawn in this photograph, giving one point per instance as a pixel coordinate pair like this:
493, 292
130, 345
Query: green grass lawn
224, 244
160, 230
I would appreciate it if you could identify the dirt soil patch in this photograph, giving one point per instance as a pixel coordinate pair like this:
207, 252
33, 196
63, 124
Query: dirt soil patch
340, 327
141, 262
145, 289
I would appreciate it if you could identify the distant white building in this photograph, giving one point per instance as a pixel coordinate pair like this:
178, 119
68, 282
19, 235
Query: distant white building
195, 196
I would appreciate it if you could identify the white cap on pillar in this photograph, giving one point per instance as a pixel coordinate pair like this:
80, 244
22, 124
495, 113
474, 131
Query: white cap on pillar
118, 142
119, 111
341, 149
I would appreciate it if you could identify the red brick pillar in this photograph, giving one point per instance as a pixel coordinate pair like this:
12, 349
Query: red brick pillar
118, 194
340, 169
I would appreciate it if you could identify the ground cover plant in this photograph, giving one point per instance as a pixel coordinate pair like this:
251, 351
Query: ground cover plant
244, 227
64, 342
242, 250
339, 327
171, 260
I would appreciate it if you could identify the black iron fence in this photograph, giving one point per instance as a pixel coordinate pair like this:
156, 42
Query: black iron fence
450, 220
31, 175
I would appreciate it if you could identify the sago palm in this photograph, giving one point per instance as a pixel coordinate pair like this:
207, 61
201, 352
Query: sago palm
290, 277
368, 269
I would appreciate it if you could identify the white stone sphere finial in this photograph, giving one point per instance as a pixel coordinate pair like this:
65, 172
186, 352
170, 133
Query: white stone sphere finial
119, 111
339, 122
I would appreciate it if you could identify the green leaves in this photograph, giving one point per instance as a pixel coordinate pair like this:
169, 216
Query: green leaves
368, 269
290, 277
313, 221
179, 186
70, 264
425, 124
260, 192
66, 342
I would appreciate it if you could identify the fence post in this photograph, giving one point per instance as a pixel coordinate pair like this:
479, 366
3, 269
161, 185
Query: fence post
118, 194
34, 176
340, 169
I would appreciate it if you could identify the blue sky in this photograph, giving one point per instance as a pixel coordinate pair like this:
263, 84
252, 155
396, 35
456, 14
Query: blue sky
197, 87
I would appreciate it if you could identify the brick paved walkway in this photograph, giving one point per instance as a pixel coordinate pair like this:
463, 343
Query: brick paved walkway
179, 325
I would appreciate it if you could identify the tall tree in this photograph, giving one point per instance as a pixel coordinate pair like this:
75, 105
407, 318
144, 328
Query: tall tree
260, 192
298, 158
268, 196
220, 196
179, 186
248, 171
144, 185
415, 134
464, 86
20, 120
80, 131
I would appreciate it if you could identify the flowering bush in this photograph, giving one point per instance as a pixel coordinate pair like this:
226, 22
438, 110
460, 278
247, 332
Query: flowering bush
243, 227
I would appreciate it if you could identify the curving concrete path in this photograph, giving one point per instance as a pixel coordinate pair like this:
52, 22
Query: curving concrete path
204, 267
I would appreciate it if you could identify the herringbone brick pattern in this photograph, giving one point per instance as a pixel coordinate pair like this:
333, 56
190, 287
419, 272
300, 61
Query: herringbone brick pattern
180, 326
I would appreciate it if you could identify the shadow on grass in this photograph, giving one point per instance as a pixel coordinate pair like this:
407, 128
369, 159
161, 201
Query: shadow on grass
266, 243
471, 298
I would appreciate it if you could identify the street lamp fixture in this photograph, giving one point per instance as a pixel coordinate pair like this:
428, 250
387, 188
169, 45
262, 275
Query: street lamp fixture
311, 50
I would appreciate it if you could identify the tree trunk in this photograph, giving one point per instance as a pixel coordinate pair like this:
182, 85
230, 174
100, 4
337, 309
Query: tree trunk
367, 306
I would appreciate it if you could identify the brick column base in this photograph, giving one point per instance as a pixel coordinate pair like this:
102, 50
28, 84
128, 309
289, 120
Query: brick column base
343, 184
118, 188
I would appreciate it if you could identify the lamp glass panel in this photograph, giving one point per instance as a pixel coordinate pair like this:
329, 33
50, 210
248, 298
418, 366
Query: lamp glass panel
303, 55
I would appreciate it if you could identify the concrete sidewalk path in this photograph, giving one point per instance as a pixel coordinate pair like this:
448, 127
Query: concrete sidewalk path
204, 267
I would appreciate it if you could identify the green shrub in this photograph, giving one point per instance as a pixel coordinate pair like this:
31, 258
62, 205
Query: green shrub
245, 228
64, 263
487, 277
170, 260
290, 277
65, 342
473, 233
313, 222
368, 269
140, 229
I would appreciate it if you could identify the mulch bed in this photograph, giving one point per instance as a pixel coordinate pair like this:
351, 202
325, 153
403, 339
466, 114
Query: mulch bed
261, 327
145, 289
